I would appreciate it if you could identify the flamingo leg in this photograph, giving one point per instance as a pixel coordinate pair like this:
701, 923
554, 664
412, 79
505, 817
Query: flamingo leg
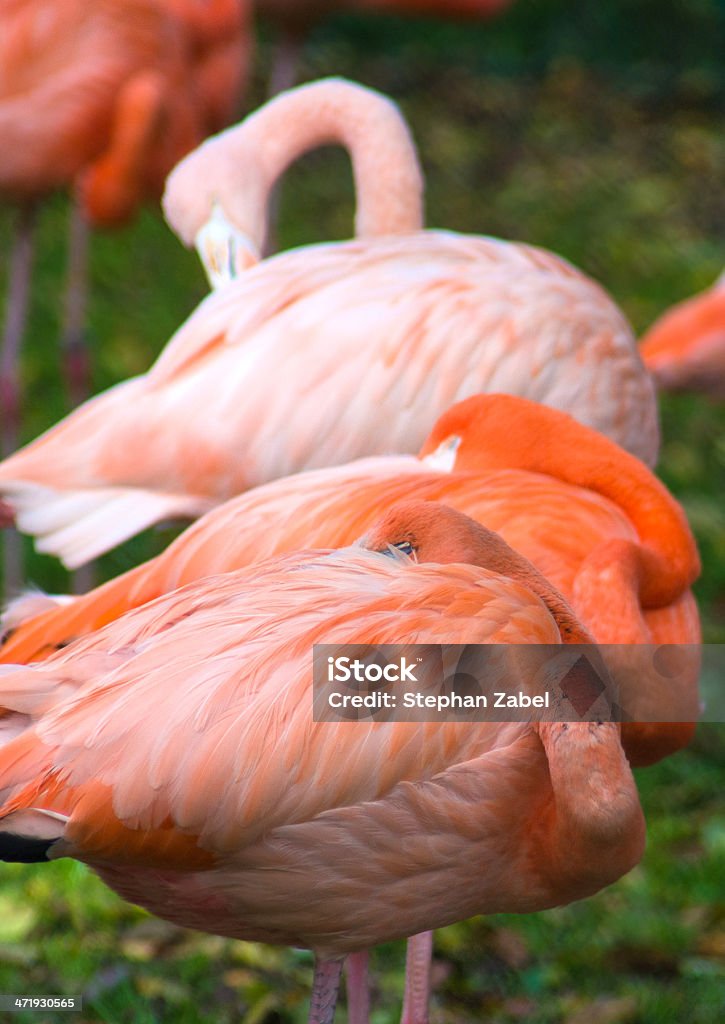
417, 979
75, 355
285, 62
83, 579
285, 66
325, 989
21, 262
75, 349
358, 992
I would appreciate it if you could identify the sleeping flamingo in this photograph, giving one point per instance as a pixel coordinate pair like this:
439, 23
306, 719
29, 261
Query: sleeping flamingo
685, 349
328, 352
149, 770
103, 98
591, 517
570, 514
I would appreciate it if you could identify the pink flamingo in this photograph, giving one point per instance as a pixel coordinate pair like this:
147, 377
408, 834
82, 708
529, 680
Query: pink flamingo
614, 543
328, 352
104, 98
149, 770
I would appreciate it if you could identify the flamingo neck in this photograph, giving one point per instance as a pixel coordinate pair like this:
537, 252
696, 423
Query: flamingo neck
490, 551
112, 187
388, 180
511, 433
520, 570
441, 534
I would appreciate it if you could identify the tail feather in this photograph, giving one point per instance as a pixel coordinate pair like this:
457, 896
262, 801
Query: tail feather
27, 606
27, 836
80, 525
16, 849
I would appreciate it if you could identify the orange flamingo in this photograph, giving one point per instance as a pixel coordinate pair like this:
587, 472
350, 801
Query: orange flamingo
588, 515
585, 541
219, 37
582, 510
685, 349
104, 97
328, 352
149, 772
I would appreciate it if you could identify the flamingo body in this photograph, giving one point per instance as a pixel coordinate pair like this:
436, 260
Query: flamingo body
586, 523
219, 35
328, 352
65, 66
101, 95
685, 349
150, 772
321, 355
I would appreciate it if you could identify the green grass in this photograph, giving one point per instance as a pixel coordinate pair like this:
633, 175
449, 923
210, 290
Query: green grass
612, 155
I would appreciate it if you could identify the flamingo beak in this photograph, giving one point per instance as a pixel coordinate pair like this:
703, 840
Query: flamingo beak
444, 457
225, 251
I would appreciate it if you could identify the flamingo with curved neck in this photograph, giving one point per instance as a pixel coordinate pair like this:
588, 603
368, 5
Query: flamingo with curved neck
592, 518
434, 532
149, 771
666, 556
219, 200
324, 354
513, 456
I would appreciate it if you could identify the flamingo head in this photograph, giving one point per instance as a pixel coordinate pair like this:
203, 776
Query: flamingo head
224, 250
478, 433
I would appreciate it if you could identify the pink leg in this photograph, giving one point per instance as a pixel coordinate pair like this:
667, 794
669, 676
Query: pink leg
358, 992
285, 66
285, 62
75, 350
417, 979
21, 261
76, 363
325, 988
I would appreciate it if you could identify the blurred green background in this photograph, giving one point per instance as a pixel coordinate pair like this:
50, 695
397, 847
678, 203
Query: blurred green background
595, 130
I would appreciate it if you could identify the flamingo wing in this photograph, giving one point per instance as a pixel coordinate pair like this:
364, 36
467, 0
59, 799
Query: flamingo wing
259, 384
173, 703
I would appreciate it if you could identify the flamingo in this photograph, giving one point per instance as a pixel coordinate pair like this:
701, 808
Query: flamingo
685, 349
149, 770
584, 519
587, 542
592, 518
105, 98
219, 36
329, 352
